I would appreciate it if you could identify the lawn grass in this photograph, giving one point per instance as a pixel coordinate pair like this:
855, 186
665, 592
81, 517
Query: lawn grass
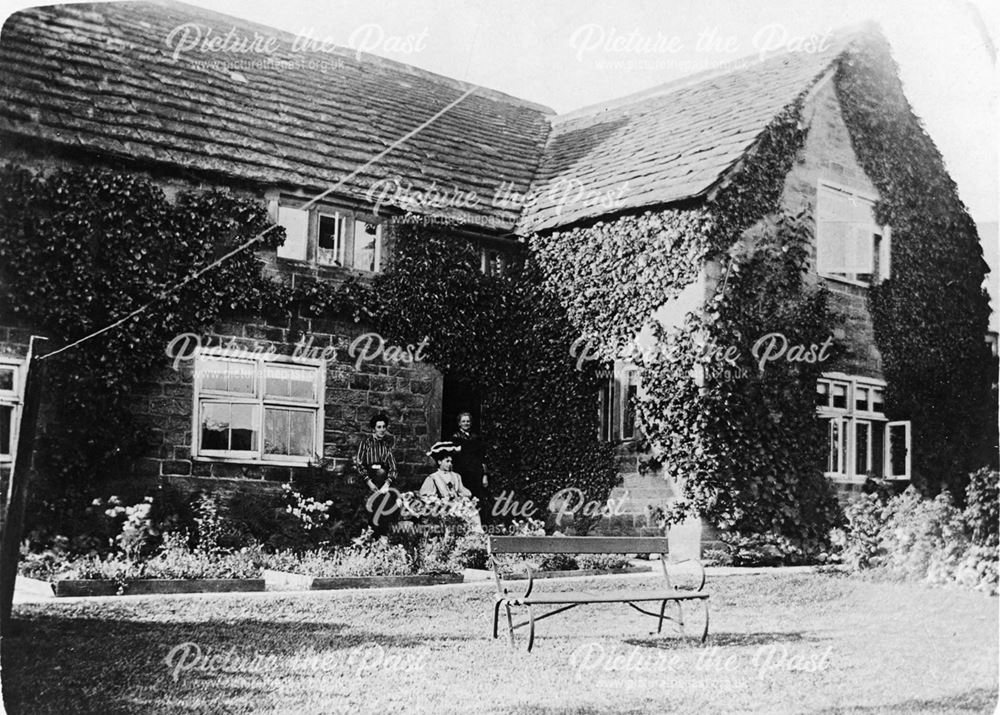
882, 647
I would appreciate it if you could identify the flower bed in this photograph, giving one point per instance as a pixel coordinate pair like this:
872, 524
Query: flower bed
104, 587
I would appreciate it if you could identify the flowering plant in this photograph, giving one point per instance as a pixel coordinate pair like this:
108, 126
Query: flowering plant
311, 512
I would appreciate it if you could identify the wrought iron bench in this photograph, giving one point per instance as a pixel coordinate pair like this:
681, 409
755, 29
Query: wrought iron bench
567, 600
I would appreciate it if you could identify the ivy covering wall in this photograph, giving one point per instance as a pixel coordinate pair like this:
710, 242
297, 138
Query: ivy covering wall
82, 248
931, 317
510, 336
745, 445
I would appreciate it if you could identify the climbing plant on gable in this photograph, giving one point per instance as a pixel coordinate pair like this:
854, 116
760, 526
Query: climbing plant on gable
931, 316
746, 445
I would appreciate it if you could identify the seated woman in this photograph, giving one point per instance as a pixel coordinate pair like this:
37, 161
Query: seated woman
446, 484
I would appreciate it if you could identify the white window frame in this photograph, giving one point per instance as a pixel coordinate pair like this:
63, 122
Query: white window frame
502, 260
850, 416
379, 243
629, 376
606, 410
259, 366
839, 470
305, 225
885, 252
869, 462
887, 457
13, 398
338, 257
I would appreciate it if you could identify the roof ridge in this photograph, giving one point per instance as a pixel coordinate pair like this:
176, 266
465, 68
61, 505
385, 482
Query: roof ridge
843, 37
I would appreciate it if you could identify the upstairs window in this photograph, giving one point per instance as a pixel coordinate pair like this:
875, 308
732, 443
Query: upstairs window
331, 238
850, 246
494, 262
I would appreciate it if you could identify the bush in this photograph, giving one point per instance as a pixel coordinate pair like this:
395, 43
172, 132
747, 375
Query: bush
908, 537
603, 562
982, 507
470, 552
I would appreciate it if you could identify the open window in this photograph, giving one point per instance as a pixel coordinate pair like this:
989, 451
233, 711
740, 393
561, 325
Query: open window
339, 239
897, 450
850, 245
861, 442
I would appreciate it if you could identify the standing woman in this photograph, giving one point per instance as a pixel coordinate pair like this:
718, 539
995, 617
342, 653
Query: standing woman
376, 465
470, 463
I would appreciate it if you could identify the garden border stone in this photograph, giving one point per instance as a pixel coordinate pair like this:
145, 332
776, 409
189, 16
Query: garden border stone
107, 587
285, 580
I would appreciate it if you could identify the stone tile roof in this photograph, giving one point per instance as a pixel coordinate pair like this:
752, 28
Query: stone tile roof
102, 77
666, 144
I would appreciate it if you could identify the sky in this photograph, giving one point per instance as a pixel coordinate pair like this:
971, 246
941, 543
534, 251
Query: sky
568, 54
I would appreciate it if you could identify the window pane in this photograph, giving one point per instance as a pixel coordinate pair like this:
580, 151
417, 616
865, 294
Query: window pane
862, 440
6, 426
226, 426
330, 241
227, 376
834, 460
366, 236
628, 419
822, 394
840, 395
244, 433
877, 400
215, 426
878, 449
290, 382
861, 398
7, 379
897, 450
275, 431
290, 432
301, 430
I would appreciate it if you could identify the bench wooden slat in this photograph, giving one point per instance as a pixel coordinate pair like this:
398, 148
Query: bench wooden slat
578, 545
569, 597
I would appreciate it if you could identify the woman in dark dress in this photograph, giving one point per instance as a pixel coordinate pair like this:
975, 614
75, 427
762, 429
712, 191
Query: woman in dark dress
376, 465
469, 463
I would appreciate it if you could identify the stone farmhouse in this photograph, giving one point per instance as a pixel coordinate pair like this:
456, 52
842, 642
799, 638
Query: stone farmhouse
120, 85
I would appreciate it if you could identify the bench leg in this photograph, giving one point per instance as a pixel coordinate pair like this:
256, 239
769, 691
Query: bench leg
510, 626
496, 618
704, 633
531, 628
659, 626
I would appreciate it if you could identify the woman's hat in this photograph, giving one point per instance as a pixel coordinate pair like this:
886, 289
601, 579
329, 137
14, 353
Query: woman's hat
443, 449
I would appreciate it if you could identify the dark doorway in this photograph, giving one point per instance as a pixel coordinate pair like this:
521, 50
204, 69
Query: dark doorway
460, 395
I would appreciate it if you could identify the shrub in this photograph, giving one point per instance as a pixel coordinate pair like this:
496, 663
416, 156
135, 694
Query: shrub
982, 507
863, 547
470, 552
603, 562
908, 537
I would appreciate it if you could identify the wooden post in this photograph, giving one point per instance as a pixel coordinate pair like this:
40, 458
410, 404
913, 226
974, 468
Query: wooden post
20, 478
